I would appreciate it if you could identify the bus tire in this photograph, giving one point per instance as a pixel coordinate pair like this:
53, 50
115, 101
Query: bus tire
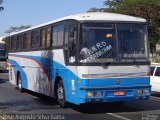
61, 94
20, 83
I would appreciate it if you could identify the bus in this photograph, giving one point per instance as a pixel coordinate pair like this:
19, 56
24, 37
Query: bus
83, 58
3, 57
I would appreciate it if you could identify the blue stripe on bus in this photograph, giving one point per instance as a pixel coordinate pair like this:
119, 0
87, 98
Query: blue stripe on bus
54, 69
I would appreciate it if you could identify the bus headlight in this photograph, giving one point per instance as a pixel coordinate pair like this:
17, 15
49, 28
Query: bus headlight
139, 92
142, 92
145, 91
94, 94
90, 94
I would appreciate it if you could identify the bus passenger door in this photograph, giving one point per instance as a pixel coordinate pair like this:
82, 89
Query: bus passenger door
70, 59
70, 45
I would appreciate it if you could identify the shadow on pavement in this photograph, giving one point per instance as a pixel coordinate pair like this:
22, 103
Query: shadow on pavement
42, 98
98, 108
156, 94
130, 106
3, 81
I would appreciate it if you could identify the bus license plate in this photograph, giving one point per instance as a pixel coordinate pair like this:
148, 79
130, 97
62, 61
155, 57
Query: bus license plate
119, 93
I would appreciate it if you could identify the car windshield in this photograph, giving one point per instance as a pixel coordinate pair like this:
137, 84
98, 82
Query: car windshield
152, 70
106, 42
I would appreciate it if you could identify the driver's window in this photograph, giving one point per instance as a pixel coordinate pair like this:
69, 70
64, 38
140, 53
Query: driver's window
72, 43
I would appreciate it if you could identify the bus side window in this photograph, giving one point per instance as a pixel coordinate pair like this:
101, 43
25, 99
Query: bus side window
48, 39
54, 36
43, 38
26, 41
35, 39
60, 35
13, 43
72, 43
66, 38
19, 42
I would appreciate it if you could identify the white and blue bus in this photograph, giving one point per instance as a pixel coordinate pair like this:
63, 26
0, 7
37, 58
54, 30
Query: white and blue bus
83, 58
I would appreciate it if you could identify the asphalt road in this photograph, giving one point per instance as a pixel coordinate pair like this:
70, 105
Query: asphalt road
42, 107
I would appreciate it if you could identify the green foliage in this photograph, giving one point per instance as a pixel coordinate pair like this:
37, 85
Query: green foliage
16, 29
112, 3
156, 59
94, 9
148, 9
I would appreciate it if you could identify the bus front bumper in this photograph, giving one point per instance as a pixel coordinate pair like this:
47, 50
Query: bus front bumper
114, 94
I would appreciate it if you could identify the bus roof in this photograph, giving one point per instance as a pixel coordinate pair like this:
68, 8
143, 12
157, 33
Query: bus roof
91, 16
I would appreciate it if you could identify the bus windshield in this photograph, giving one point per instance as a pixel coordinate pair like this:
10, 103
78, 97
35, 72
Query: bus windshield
113, 43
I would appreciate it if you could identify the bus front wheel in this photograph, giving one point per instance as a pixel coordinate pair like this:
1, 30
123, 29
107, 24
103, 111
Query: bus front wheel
20, 83
61, 94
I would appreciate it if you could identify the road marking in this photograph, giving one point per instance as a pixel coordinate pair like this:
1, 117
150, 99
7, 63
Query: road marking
118, 116
154, 98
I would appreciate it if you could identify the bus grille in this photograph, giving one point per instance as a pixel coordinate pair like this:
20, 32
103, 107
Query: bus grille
114, 75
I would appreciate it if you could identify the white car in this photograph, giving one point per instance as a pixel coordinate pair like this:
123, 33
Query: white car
155, 78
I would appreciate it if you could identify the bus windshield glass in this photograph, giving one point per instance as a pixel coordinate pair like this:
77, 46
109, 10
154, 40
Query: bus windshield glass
113, 43
132, 40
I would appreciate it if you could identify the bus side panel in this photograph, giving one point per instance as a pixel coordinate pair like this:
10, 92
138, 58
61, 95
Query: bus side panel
33, 73
15, 68
69, 79
70, 84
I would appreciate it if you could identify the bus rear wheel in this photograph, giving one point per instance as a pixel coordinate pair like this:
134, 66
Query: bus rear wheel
20, 83
61, 94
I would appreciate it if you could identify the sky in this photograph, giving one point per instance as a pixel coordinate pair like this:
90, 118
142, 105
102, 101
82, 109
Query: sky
34, 12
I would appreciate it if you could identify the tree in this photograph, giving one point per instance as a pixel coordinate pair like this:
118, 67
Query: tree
94, 9
112, 3
1, 8
16, 29
148, 9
